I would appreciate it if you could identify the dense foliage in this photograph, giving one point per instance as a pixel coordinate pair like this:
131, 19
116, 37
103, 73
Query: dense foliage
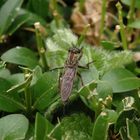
35, 36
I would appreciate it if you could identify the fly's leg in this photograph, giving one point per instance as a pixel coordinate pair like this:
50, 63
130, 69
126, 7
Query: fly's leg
86, 66
56, 68
79, 75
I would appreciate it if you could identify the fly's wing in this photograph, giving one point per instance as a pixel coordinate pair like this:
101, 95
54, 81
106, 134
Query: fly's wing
67, 84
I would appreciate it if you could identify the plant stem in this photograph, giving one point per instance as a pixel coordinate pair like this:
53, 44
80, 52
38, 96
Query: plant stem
82, 37
28, 99
41, 46
104, 3
81, 5
122, 30
55, 12
130, 15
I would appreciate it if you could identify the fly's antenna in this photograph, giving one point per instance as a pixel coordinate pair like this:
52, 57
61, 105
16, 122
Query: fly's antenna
82, 37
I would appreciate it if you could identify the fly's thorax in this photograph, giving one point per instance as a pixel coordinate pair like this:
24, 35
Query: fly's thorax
74, 55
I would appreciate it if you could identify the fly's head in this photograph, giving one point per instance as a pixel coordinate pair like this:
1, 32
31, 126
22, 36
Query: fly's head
74, 55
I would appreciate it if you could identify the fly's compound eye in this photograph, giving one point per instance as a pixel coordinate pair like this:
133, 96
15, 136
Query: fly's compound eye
74, 50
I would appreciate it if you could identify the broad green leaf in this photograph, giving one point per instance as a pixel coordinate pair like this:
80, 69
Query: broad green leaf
37, 73
47, 81
121, 101
9, 104
67, 38
88, 95
16, 78
56, 59
13, 127
132, 131
20, 56
2, 2
102, 123
33, 18
57, 47
108, 45
21, 18
104, 90
128, 2
39, 7
4, 85
8, 12
42, 127
46, 98
89, 75
121, 121
121, 80
4, 73
45, 90
20, 86
135, 24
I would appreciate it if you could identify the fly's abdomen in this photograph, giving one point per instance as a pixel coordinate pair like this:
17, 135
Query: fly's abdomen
67, 84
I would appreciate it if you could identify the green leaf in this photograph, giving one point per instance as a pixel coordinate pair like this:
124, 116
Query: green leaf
33, 18
89, 75
104, 90
45, 83
21, 18
46, 99
132, 131
45, 90
2, 2
42, 127
121, 121
4, 73
121, 80
20, 56
108, 45
135, 24
16, 78
9, 104
13, 127
102, 123
40, 7
37, 73
20, 86
128, 2
58, 46
8, 12
4, 85
86, 91
58, 58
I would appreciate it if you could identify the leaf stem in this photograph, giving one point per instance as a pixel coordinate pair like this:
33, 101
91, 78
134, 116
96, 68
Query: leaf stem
53, 6
104, 3
28, 99
130, 15
81, 5
122, 30
40, 45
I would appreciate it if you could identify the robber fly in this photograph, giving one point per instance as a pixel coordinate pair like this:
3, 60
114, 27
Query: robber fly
70, 71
